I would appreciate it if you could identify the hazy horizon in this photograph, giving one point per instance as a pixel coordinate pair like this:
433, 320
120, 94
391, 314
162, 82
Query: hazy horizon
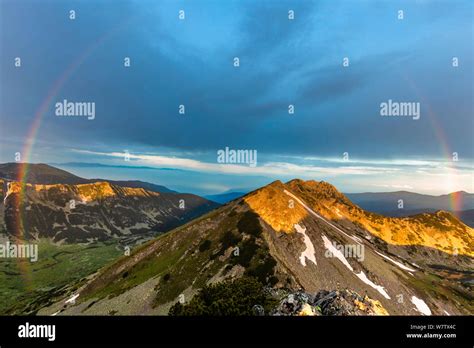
170, 180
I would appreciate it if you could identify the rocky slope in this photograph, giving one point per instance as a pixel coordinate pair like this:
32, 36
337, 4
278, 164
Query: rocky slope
337, 302
93, 211
301, 236
440, 230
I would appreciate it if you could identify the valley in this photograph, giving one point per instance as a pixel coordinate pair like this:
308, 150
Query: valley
77, 226
25, 286
129, 251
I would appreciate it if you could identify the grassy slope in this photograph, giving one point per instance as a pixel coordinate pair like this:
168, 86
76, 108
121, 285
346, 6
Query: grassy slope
191, 255
170, 258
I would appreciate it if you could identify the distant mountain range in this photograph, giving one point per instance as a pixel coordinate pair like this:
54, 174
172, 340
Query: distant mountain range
387, 203
63, 207
45, 174
291, 237
225, 197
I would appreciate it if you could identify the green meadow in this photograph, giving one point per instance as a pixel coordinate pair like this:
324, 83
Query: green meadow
26, 286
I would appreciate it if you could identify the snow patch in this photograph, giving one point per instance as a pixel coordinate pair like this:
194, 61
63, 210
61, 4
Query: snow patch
402, 266
72, 300
308, 253
335, 252
421, 306
361, 275
367, 281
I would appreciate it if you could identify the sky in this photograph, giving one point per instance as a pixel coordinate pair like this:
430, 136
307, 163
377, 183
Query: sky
336, 132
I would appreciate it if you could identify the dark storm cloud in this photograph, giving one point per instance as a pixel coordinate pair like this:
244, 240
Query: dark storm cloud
282, 62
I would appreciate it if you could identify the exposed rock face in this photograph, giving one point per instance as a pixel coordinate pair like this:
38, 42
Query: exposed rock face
347, 302
272, 204
336, 302
94, 211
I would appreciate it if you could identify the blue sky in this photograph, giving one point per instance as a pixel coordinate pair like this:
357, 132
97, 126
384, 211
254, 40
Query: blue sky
282, 62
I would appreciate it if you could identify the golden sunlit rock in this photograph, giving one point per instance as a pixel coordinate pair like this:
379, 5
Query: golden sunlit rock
276, 208
440, 230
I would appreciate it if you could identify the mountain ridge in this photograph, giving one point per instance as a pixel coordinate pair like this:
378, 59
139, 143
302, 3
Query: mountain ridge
288, 237
41, 173
93, 211
324, 195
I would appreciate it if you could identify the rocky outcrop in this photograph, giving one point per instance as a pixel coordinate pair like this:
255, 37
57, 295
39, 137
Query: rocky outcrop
335, 302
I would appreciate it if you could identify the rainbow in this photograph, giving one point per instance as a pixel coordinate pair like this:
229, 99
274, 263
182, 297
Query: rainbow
31, 137
455, 198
